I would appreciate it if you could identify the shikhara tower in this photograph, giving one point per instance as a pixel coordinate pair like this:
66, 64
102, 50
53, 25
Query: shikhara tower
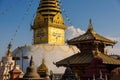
48, 24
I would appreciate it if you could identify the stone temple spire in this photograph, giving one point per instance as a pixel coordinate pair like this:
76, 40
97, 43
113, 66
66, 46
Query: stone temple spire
31, 72
31, 62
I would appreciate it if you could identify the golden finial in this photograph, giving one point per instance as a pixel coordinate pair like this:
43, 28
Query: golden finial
90, 21
90, 27
106, 51
9, 53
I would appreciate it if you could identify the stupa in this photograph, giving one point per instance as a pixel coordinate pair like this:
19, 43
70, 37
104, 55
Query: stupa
7, 64
49, 40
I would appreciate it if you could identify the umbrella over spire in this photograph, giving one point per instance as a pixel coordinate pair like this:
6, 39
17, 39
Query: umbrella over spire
49, 7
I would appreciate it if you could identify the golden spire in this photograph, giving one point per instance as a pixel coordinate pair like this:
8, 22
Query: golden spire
90, 27
43, 70
106, 51
43, 67
9, 52
49, 7
49, 24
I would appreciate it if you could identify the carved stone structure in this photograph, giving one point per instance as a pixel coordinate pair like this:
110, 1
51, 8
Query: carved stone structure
31, 72
6, 65
43, 71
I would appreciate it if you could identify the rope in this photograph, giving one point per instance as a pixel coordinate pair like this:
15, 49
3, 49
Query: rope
22, 20
32, 20
9, 8
66, 16
65, 13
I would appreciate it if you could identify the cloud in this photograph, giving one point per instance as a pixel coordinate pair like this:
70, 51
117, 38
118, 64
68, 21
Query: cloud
72, 32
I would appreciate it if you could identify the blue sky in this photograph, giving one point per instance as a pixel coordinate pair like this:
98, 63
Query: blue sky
105, 15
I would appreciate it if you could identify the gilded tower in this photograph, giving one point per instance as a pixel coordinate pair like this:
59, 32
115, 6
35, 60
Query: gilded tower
49, 25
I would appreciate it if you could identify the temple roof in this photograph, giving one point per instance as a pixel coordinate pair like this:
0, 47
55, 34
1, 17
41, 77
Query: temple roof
87, 58
15, 70
90, 36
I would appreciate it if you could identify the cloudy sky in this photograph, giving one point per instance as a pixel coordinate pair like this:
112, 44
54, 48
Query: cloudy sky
16, 16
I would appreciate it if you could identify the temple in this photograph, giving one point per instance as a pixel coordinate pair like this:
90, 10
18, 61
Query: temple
92, 59
49, 25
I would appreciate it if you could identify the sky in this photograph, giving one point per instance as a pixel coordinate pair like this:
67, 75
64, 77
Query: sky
17, 15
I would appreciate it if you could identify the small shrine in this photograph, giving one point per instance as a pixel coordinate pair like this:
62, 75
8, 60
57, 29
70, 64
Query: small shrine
31, 72
6, 64
16, 72
43, 71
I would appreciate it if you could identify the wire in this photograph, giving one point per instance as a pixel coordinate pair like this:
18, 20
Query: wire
9, 8
65, 13
22, 20
34, 13
66, 16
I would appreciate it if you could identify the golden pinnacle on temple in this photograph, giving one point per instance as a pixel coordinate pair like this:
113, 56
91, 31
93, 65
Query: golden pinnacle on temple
90, 27
9, 52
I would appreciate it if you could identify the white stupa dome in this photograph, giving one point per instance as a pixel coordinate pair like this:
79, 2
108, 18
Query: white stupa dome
50, 53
